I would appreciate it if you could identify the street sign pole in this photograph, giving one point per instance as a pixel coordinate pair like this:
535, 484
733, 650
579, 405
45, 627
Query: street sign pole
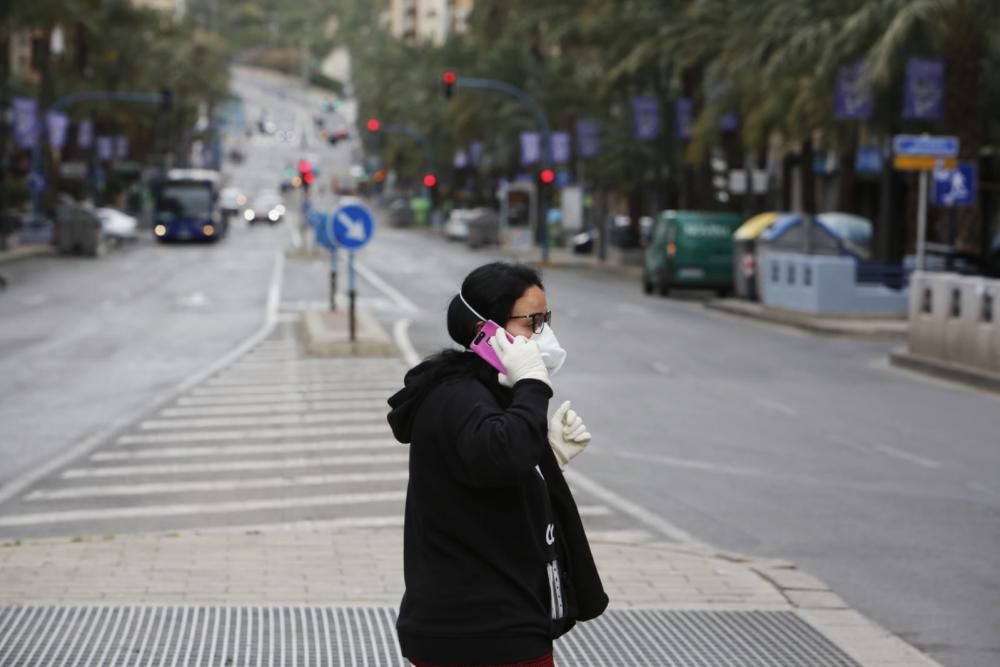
333, 281
922, 220
351, 293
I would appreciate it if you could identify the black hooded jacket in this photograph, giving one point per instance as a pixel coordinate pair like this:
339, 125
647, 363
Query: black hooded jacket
496, 560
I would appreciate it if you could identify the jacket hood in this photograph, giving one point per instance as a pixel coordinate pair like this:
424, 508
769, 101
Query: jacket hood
423, 378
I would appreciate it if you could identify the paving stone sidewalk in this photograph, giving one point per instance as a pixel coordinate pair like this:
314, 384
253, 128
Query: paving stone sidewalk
348, 563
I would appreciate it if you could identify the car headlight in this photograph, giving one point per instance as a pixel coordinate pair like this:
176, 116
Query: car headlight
273, 216
248, 215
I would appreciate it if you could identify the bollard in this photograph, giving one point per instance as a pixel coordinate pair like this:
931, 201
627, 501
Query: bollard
333, 291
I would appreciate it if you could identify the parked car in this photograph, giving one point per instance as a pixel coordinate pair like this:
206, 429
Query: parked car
118, 225
232, 201
690, 249
456, 227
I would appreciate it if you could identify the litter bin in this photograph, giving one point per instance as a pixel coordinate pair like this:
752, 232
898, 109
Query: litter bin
421, 211
745, 254
483, 228
79, 229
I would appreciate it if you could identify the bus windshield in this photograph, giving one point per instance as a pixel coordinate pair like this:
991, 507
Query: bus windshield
186, 200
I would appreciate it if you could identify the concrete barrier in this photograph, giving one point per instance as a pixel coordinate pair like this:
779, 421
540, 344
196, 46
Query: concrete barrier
954, 319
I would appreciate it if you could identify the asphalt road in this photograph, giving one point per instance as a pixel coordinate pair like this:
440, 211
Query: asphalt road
749, 437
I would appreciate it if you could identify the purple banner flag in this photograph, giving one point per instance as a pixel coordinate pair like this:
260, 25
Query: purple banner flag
475, 153
560, 147
852, 97
729, 122
85, 134
58, 125
588, 137
684, 109
923, 92
105, 148
530, 147
121, 147
646, 117
25, 113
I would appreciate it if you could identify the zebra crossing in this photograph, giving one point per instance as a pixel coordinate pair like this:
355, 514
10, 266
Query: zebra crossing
275, 438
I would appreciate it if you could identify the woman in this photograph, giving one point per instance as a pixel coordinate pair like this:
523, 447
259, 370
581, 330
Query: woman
495, 557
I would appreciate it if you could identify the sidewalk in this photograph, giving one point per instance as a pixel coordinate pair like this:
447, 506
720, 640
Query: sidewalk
671, 603
26, 252
827, 325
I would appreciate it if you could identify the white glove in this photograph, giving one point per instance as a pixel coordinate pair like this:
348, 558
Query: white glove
567, 434
521, 358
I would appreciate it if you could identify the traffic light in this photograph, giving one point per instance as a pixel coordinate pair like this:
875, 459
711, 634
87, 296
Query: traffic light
547, 176
448, 80
374, 125
430, 181
306, 174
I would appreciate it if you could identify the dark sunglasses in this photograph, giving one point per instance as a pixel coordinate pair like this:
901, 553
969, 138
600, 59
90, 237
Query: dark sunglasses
538, 320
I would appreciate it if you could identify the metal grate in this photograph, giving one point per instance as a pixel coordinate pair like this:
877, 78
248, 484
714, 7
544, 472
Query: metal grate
365, 636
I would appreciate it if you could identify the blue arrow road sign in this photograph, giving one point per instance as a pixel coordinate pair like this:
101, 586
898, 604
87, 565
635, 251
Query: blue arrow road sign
955, 187
353, 226
320, 223
925, 145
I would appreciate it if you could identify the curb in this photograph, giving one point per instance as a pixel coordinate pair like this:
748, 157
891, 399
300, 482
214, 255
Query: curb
844, 327
945, 370
326, 335
26, 252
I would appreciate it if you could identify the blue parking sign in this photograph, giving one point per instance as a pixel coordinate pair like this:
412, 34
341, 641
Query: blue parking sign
955, 187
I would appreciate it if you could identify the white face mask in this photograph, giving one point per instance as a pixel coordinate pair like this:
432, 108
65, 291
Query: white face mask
553, 356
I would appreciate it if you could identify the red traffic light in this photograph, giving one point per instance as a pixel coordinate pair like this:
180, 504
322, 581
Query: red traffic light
374, 125
449, 78
430, 180
308, 178
547, 176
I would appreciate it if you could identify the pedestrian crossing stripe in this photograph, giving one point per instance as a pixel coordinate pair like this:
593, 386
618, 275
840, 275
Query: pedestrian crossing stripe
233, 466
104, 491
277, 398
189, 509
254, 434
266, 420
239, 388
239, 450
273, 408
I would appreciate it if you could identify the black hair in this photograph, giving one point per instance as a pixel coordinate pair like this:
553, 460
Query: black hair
491, 290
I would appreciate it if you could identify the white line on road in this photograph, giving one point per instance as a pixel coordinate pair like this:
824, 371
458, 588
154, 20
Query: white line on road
288, 387
906, 456
105, 490
232, 466
266, 420
253, 434
273, 408
17, 485
385, 288
289, 397
637, 512
399, 332
201, 508
239, 450
776, 406
276, 382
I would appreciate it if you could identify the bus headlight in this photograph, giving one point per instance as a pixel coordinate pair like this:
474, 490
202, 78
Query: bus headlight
208, 230
160, 230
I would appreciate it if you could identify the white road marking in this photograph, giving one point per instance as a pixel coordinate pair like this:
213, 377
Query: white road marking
105, 490
289, 397
384, 287
268, 420
637, 512
20, 483
272, 382
400, 333
240, 450
232, 466
776, 406
906, 456
286, 387
137, 512
253, 434
594, 510
273, 408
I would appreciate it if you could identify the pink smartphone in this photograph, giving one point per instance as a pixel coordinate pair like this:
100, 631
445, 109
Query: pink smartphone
480, 346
